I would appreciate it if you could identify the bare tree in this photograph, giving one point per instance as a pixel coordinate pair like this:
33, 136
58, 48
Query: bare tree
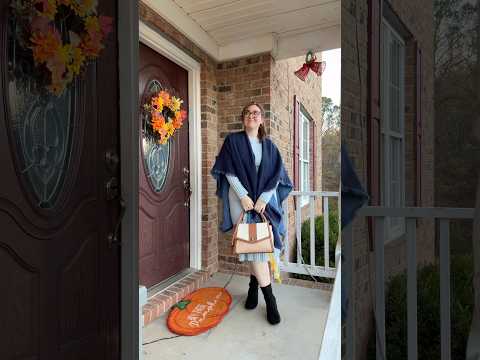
454, 35
330, 116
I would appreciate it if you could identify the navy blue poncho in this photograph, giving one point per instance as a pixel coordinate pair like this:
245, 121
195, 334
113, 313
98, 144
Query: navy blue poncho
353, 194
236, 158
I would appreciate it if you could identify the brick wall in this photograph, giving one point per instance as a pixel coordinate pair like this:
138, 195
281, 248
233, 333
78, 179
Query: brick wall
285, 85
209, 121
353, 133
417, 16
331, 162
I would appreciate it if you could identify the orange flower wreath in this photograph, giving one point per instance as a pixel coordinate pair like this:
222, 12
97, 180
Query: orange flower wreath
61, 37
164, 116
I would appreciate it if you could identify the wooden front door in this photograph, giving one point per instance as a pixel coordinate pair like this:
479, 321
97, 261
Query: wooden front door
164, 220
59, 278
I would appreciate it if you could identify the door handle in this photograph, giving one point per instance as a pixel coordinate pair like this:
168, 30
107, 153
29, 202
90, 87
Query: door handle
111, 188
112, 160
113, 236
187, 191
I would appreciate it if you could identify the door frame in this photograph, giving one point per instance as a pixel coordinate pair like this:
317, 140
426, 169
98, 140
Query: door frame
127, 30
128, 48
160, 44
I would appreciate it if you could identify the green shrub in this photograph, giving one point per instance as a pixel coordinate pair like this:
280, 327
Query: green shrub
319, 242
428, 314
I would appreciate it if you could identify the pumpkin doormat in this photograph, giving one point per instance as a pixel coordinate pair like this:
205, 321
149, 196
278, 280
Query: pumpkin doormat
199, 311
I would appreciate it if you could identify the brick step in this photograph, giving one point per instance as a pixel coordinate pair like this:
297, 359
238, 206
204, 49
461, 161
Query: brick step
159, 304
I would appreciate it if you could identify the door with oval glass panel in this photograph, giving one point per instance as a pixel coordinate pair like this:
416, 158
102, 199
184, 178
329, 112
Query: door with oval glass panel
164, 184
59, 272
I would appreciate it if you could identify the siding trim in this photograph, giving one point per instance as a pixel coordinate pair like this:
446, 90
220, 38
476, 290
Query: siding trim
395, 21
296, 145
418, 127
373, 110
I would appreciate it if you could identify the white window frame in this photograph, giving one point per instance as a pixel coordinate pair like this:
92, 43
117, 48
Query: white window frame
395, 226
303, 118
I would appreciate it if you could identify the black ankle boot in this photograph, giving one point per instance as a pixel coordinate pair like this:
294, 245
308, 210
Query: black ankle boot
273, 316
252, 298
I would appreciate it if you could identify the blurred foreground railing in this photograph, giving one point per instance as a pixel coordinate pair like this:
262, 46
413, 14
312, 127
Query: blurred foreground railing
411, 214
331, 348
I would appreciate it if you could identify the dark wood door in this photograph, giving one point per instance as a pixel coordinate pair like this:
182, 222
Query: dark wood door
59, 279
164, 223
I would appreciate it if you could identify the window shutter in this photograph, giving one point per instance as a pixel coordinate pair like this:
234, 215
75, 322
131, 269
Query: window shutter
418, 130
296, 145
373, 110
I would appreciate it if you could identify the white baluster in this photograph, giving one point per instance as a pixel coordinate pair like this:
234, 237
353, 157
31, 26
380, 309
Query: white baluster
380, 286
412, 288
326, 232
298, 224
287, 223
347, 276
445, 289
312, 230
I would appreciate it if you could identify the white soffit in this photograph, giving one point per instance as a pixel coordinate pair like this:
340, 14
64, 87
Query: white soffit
228, 29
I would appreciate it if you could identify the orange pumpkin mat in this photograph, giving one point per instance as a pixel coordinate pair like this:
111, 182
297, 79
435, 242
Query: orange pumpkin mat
199, 311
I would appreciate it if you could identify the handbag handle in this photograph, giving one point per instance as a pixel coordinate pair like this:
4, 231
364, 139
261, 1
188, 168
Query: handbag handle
242, 214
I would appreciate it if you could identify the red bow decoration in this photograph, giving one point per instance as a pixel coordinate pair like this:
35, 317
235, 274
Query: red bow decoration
310, 64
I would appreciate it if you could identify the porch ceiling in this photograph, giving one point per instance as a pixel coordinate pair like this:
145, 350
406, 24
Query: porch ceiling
228, 29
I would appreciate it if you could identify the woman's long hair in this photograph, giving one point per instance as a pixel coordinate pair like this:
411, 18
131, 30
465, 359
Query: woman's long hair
262, 133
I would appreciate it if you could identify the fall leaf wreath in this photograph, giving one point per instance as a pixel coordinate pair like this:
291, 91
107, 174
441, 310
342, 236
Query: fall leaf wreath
59, 37
163, 116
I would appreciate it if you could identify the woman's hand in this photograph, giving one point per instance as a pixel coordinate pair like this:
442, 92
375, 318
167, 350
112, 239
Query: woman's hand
260, 206
247, 203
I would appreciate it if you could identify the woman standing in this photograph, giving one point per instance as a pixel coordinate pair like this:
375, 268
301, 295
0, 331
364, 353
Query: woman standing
251, 176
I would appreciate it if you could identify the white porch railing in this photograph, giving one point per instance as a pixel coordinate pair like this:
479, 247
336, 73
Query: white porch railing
331, 348
444, 215
299, 267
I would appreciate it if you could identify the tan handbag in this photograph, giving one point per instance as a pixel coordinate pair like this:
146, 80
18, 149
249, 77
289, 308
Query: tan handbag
252, 238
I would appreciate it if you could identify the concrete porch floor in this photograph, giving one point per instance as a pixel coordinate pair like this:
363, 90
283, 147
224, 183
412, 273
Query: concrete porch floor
246, 334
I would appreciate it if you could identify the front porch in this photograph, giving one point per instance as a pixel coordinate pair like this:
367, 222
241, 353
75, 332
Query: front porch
245, 334
226, 71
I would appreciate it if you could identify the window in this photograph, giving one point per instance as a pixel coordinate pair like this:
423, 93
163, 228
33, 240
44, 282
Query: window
304, 156
393, 137
304, 146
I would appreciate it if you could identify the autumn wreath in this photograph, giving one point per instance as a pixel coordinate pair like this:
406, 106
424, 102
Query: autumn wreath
59, 37
164, 115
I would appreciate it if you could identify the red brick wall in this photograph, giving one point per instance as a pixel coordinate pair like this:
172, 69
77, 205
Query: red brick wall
285, 85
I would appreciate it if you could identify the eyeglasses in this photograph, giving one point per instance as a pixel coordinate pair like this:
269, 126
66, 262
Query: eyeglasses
254, 113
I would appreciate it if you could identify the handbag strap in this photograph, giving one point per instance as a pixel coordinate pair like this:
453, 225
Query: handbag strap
242, 214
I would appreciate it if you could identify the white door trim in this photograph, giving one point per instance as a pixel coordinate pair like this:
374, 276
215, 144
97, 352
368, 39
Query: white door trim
157, 42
